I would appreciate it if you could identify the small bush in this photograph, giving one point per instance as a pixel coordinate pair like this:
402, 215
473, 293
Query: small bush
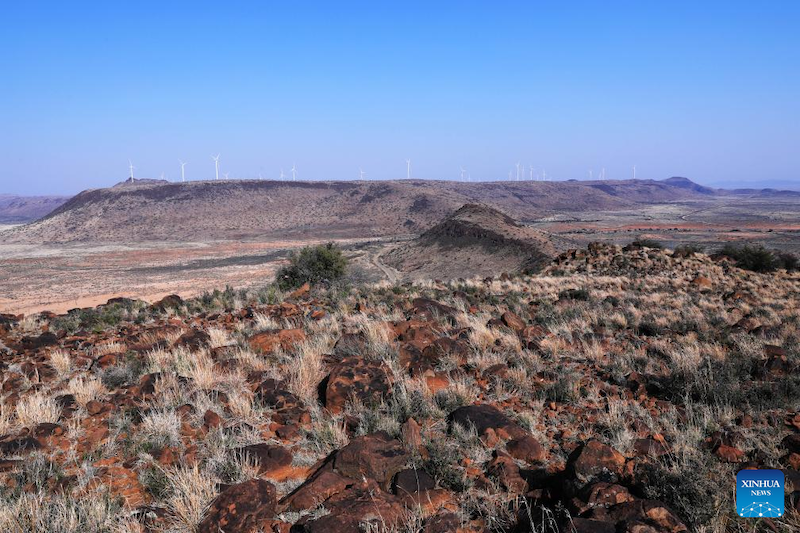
646, 243
313, 264
788, 261
751, 257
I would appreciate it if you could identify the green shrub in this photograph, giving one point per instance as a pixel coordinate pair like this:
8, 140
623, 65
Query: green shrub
646, 243
789, 261
751, 257
313, 264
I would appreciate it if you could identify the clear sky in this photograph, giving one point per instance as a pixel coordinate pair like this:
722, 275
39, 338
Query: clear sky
708, 90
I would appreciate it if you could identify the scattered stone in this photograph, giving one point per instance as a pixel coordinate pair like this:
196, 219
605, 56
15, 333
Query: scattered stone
242, 508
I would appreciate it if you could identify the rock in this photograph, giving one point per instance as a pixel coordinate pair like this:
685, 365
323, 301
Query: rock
702, 282
411, 481
288, 407
301, 291
365, 380
595, 461
194, 340
376, 456
505, 470
485, 417
513, 321
649, 447
211, 419
34, 343
606, 495
729, 454
273, 460
10, 445
173, 301
444, 522
411, 434
586, 525
526, 449
267, 342
650, 512
316, 490
242, 508
352, 509
427, 309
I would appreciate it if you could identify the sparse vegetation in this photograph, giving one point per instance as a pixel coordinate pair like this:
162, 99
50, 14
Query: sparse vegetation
622, 346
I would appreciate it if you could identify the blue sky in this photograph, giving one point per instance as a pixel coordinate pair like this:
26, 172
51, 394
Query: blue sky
706, 90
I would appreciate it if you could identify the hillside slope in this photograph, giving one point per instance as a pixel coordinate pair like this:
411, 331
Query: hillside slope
136, 212
476, 240
21, 209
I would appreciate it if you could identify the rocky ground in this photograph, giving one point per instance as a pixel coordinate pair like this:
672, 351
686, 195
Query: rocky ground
618, 391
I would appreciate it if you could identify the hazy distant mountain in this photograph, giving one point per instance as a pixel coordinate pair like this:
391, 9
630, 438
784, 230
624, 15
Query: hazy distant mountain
787, 185
202, 210
22, 209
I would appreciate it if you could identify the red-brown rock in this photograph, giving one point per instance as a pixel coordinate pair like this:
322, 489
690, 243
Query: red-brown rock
242, 508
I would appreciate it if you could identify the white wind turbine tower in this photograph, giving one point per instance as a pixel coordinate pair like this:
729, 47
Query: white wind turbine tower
530, 175
131, 167
294, 172
282, 175
225, 175
517, 170
634, 171
408, 169
509, 174
463, 172
183, 172
216, 165
361, 173
590, 173
603, 173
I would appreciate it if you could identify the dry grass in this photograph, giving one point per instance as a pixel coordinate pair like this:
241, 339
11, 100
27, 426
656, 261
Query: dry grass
192, 491
37, 408
86, 389
61, 362
306, 369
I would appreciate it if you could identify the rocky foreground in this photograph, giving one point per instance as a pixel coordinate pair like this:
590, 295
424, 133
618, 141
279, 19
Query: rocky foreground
619, 391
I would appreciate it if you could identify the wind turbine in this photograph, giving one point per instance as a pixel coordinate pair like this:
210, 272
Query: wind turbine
282, 175
216, 164
183, 173
131, 167
634, 171
544, 175
603, 173
590, 174
517, 170
509, 175
361, 174
530, 169
408, 171
294, 172
463, 171
225, 175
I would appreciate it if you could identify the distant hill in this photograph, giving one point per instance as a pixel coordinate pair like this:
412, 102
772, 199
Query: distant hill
22, 209
476, 240
201, 210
